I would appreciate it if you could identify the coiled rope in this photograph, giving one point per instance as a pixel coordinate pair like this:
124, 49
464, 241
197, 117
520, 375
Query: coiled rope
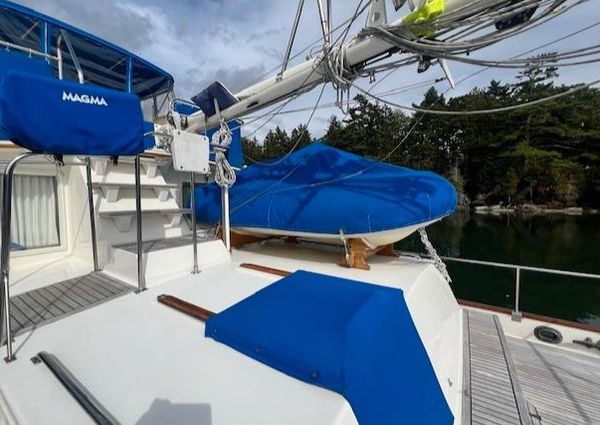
224, 172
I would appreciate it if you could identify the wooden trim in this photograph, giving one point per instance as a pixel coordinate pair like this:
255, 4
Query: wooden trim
185, 307
562, 322
532, 316
156, 154
264, 269
488, 307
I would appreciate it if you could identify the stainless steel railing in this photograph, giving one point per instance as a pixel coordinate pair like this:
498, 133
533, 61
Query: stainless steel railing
30, 52
64, 36
517, 314
5, 306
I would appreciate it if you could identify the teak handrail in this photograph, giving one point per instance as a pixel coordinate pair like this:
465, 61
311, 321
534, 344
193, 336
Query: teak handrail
185, 307
264, 269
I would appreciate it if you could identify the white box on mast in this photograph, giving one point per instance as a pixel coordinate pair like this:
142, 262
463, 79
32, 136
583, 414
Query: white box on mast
190, 152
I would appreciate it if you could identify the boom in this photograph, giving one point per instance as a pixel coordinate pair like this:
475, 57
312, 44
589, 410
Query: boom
352, 55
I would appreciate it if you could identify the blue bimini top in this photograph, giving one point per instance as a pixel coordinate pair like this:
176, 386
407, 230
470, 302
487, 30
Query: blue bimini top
320, 189
350, 337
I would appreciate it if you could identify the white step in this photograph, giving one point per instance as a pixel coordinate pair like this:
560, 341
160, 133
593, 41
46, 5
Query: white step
112, 190
124, 219
164, 263
150, 165
126, 202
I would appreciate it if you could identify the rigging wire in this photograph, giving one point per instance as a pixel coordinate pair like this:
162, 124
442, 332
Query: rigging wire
412, 128
343, 36
569, 92
395, 91
310, 46
505, 12
466, 10
358, 12
402, 37
278, 108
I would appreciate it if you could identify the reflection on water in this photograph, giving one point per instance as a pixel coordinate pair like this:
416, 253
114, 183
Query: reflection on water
551, 241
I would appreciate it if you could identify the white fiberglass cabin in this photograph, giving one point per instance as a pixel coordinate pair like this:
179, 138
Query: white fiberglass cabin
115, 310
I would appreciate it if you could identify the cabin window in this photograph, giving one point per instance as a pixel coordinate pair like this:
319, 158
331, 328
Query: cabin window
20, 30
34, 221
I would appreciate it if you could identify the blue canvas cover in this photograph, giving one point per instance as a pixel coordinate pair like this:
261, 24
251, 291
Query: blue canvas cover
320, 189
350, 337
17, 61
103, 63
149, 139
216, 91
46, 115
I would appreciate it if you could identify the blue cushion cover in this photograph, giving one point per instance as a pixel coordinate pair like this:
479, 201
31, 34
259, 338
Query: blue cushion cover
206, 98
350, 337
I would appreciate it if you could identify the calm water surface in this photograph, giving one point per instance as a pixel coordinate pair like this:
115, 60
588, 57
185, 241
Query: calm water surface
550, 241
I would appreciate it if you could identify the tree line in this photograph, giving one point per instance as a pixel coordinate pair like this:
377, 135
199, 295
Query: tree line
544, 154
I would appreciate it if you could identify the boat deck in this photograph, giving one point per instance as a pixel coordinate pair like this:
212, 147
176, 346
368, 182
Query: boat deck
159, 356
563, 388
47, 304
513, 381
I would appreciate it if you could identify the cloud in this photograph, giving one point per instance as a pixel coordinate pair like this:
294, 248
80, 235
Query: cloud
233, 78
237, 41
108, 19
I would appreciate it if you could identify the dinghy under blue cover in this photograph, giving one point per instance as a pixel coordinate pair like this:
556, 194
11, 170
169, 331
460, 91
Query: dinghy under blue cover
46, 115
320, 189
350, 337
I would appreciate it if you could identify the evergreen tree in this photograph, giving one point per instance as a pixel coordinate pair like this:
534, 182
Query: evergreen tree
549, 153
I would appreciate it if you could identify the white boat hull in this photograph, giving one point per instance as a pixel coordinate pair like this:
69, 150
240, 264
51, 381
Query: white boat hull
374, 239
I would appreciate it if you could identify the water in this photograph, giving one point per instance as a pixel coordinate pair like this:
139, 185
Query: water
550, 241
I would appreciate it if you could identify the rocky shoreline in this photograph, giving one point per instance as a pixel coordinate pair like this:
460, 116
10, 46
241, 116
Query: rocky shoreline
530, 209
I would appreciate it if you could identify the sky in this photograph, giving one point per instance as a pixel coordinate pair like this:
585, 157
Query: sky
238, 42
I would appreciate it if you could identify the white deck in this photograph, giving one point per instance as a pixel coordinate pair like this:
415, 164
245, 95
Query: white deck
148, 364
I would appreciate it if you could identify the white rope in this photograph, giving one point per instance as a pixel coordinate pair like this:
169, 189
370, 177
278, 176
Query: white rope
437, 261
569, 92
224, 172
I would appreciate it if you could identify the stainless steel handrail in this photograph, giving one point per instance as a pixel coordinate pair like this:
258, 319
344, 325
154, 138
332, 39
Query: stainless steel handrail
195, 269
5, 320
517, 314
139, 237
5, 253
526, 268
90, 188
64, 36
28, 50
